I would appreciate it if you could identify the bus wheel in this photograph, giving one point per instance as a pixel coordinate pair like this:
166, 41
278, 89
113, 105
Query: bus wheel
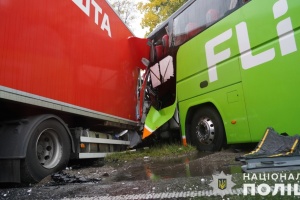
208, 132
48, 151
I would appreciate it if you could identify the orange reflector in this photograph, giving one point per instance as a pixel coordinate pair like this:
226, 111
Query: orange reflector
184, 143
233, 121
82, 146
146, 133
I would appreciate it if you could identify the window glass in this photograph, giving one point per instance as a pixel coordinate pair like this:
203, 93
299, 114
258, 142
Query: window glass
161, 72
198, 16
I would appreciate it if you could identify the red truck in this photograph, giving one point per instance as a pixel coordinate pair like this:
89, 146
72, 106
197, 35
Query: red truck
68, 85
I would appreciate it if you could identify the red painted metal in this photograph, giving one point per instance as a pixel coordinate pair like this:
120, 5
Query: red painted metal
54, 49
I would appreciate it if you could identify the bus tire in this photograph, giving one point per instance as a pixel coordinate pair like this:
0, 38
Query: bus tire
208, 133
48, 151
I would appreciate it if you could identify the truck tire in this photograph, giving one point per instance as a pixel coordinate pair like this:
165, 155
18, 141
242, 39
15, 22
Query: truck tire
208, 133
48, 151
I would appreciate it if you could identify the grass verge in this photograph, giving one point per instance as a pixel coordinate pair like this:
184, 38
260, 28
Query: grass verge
159, 151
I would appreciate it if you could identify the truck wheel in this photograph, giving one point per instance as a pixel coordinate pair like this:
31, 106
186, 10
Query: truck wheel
208, 132
48, 151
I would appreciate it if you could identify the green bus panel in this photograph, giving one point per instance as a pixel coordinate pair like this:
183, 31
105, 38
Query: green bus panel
230, 103
257, 84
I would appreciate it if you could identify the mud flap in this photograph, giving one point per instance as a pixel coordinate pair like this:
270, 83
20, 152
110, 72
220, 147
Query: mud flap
10, 171
156, 119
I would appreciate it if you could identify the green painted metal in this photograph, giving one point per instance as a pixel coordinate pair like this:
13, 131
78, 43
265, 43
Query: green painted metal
156, 118
255, 93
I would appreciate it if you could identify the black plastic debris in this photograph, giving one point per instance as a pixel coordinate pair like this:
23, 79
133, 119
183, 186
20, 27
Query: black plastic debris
62, 177
105, 174
275, 152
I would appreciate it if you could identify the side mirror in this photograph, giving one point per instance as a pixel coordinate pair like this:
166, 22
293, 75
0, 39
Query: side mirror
146, 62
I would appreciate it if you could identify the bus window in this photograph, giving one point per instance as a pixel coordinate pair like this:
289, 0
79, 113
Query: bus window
161, 72
198, 16
189, 22
234, 5
162, 83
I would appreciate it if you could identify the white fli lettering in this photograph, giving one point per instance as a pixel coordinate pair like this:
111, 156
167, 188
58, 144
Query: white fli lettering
247, 58
280, 8
286, 36
214, 58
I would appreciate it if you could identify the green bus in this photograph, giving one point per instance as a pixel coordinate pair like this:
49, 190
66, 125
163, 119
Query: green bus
222, 71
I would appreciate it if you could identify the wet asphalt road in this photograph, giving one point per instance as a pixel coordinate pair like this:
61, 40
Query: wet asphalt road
194, 176
184, 177
174, 178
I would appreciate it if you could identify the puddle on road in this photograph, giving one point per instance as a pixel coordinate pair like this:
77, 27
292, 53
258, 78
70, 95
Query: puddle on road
197, 165
193, 166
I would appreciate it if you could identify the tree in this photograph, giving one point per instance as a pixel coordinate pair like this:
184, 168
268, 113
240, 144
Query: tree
157, 11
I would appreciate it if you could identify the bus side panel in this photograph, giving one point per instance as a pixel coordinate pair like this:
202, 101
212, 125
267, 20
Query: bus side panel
194, 86
271, 88
69, 51
264, 37
229, 102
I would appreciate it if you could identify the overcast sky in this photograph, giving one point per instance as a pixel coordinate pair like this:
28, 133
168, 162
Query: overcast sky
135, 25
138, 31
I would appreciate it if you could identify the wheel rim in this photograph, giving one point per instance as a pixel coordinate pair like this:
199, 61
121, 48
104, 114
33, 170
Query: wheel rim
48, 148
205, 131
